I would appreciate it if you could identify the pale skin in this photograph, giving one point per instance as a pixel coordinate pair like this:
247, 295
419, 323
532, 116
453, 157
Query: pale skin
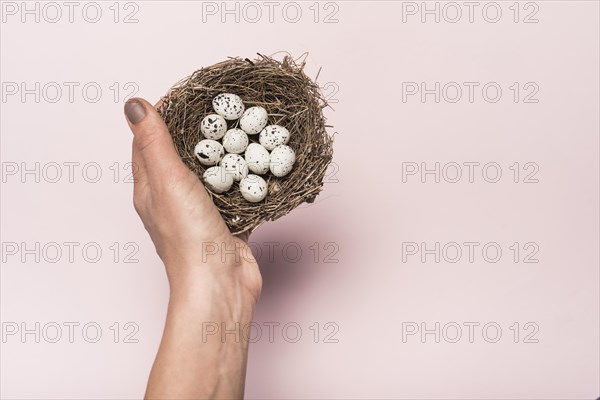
210, 290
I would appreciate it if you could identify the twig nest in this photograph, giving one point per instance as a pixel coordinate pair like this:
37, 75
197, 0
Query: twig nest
269, 117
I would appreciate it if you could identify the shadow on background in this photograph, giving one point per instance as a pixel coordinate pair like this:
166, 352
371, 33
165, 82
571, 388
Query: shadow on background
286, 260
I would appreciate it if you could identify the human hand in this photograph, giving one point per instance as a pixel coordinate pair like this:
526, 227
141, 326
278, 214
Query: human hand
178, 213
218, 287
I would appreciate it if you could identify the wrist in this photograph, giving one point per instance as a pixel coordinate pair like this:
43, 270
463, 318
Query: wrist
213, 294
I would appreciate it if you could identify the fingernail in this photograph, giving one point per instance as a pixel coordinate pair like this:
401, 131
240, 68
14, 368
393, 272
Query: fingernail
135, 111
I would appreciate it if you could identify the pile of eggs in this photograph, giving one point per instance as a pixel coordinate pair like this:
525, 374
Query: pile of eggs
230, 155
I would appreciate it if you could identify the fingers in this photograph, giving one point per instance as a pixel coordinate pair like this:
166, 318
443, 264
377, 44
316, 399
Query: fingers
153, 146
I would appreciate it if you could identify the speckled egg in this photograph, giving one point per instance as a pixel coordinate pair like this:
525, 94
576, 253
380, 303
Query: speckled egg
273, 136
282, 160
253, 120
235, 141
209, 152
253, 188
217, 180
213, 126
257, 158
235, 165
228, 106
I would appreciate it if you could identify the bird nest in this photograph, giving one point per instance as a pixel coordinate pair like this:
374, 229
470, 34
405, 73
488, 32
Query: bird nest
292, 100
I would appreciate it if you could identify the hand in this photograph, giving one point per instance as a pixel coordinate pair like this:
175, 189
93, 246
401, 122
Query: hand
216, 286
183, 222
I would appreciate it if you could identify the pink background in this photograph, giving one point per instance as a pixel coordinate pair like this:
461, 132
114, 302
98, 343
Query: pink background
368, 213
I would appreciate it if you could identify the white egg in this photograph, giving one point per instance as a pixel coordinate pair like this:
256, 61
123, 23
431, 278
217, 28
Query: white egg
235, 141
235, 165
282, 160
217, 180
253, 188
209, 152
257, 158
213, 126
228, 106
254, 120
273, 136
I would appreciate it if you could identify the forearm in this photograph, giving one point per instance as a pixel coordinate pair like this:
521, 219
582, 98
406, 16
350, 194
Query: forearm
203, 353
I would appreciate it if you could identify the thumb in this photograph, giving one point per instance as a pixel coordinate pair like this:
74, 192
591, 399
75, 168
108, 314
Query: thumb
151, 138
